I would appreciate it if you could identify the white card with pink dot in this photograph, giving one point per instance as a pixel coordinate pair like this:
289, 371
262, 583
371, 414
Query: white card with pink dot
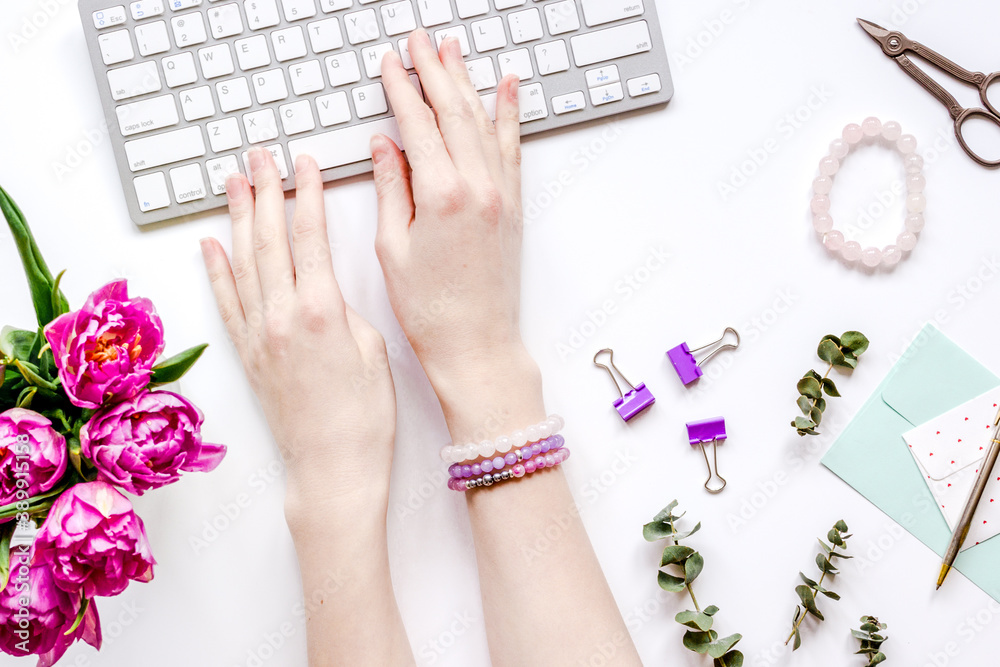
949, 450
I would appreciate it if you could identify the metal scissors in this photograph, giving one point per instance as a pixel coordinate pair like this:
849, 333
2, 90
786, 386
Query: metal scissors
895, 45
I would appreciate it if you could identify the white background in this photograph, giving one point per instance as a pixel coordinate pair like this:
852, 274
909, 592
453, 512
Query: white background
734, 261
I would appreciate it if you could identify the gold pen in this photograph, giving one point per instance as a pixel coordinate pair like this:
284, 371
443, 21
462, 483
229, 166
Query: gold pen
962, 529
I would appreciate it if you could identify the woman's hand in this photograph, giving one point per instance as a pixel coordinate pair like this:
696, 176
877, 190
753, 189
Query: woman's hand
449, 235
319, 370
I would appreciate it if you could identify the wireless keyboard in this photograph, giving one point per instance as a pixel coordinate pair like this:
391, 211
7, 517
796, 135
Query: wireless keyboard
189, 85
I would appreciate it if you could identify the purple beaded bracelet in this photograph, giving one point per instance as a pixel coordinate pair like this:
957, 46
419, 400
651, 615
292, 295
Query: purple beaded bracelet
460, 471
550, 460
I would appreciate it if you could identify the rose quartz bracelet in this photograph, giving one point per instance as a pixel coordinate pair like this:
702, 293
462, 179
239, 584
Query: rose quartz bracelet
519, 455
550, 460
870, 131
503, 444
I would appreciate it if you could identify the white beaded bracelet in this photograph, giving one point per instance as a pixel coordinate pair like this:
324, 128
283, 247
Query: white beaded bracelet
890, 134
472, 451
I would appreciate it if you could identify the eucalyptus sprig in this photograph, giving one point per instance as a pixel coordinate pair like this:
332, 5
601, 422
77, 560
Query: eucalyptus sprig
842, 352
809, 590
871, 640
687, 564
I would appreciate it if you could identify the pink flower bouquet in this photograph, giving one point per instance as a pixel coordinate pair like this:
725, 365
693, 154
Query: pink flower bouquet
81, 421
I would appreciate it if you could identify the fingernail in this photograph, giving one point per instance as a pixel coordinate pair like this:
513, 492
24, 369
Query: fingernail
234, 186
301, 162
513, 87
378, 148
256, 158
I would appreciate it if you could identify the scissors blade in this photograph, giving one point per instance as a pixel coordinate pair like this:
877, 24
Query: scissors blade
877, 32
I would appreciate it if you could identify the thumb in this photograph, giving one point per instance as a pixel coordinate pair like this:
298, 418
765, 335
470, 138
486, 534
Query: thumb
395, 194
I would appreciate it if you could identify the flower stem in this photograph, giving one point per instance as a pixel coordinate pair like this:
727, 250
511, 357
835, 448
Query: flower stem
819, 583
673, 538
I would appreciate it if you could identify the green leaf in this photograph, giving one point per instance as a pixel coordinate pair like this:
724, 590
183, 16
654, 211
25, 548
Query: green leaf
830, 352
59, 303
731, 659
813, 374
798, 640
830, 594
656, 530
855, 341
682, 535
809, 387
830, 388
849, 362
35, 503
808, 600
835, 339
79, 616
879, 657
693, 567
805, 405
172, 369
699, 641
809, 582
30, 373
821, 404
803, 423
694, 619
710, 610
666, 512
6, 533
826, 547
720, 647
669, 582
40, 281
835, 538
824, 564
16, 343
817, 416
841, 526
675, 554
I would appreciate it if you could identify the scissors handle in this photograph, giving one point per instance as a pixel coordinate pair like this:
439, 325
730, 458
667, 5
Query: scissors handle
949, 66
966, 115
932, 86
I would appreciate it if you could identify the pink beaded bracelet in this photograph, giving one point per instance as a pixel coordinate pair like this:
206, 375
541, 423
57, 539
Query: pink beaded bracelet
519, 455
518, 470
472, 451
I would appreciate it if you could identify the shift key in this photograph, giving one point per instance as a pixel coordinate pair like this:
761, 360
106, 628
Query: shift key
611, 43
165, 148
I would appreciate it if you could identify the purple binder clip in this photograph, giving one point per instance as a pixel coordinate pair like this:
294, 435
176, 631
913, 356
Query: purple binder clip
682, 357
629, 403
713, 431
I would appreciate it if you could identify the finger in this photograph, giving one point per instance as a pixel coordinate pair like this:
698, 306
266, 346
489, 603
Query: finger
395, 197
270, 235
244, 266
454, 64
454, 113
227, 298
417, 126
310, 239
369, 340
509, 132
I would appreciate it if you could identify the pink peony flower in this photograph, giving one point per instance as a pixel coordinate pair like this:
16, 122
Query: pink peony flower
145, 442
93, 540
35, 613
106, 349
32, 455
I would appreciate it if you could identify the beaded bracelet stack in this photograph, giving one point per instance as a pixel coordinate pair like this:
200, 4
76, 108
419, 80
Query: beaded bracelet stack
522, 453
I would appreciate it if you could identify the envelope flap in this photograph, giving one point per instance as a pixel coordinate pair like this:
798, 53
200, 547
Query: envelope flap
957, 439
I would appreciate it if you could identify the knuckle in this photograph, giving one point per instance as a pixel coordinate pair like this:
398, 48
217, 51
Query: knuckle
514, 156
264, 238
458, 110
228, 311
276, 332
306, 225
453, 195
491, 203
313, 315
243, 268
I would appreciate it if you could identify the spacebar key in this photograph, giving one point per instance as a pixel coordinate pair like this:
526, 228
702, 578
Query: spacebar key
618, 42
339, 147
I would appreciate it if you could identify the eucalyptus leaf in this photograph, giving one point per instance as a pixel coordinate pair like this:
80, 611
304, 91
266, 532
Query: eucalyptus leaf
824, 565
830, 352
675, 554
841, 526
710, 610
798, 640
670, 583
656, 530
693, 567
830, 388
695, 620
809, 387
803, 423
699, 641
855, 341
731, 659
809, 582
805, 405
817, 416
720, 647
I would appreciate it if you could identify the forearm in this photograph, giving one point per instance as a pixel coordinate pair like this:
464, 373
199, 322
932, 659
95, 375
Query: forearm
538, 572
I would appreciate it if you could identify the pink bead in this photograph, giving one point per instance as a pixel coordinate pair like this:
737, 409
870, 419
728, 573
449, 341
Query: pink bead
529, 467
550, 460
477, 470
871, 257
828, 166
565, 454
915, 183
518, 470
833, 240
510, 458
822, 223
913, 163
539, 461
891, 255
906, 144
455, 470
498, 463
916, 203
851, 251
915, 222
906, 241
852, 133
486, 465
891, 130
820, 204
871, 127
823, 185
839, 148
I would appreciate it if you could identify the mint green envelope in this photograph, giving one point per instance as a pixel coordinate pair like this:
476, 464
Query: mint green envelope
933, 376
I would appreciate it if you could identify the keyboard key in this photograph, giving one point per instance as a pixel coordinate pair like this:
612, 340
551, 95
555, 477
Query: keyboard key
370, 100
644, 85
333, 5
490, 105
599, 12
469, 8
343, 68
177, 5
346, 146
434, 12
610, 43
361, 26
234, 94
260, 126
220, 169
325, 35
552, 57
288, 43
261, 13
333, 109
143, 9
116, 47
134, 80
489, 34
516, 62
179, 70
270, 86
151, 191
531, 100
105, 18
165, 148
197, 103
151, 38
602, 76
525, 26
561, 17
568, 103
224, 135
404, 53
296, 117
459, 32
279, 159
216, 61
189, 29
507, 4
606, 94
398, 18
225, 21
252, 52
306, 77
298, 9
151, 114
482, 73
372, 57
188, 183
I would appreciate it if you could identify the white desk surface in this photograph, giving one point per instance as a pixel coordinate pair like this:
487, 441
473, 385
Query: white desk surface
652, 185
